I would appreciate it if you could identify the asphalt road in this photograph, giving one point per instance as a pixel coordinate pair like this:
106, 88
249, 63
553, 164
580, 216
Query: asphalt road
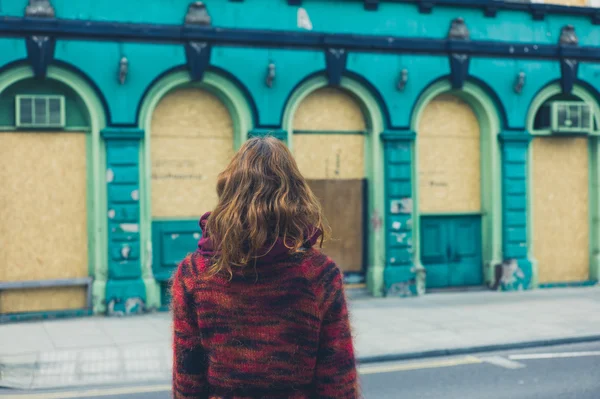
565, 372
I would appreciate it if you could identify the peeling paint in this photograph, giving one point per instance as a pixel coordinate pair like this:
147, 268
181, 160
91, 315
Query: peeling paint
196, 236
111, 213
396, 225
403, 205
131, 306
511, 273
130, 227
135, 195
174, 236
400, 237
401, 289
125, 251
376, 221
110, 175
508, 276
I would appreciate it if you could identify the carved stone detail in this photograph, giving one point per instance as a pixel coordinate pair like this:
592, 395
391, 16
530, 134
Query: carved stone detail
458, 29
197, 14
39, 9
568, 35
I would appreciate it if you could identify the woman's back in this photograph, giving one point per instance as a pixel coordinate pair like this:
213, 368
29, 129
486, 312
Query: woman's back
277, 331
258, 312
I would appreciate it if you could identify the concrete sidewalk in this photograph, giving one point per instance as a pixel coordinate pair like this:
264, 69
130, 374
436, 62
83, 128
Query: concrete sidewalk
100, 350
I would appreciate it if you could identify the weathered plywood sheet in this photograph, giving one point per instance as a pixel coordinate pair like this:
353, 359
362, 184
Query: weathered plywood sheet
191, 143
449, 162
330, 156
561, 208
343, 202
579, 3
43, 217
329, 109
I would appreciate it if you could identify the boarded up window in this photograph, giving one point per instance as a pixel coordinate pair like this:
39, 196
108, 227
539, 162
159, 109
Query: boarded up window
449, 164
43, 218
329, 144
561, 208
192, 141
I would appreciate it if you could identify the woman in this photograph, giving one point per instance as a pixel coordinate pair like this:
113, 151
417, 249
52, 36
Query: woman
258, 311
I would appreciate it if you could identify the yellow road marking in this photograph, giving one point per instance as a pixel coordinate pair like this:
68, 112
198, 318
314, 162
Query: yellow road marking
419, 365
364, 370
92, 393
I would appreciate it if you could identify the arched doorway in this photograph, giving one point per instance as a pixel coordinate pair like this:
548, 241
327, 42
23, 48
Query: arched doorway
563, 202
449, 169
50, 167
372, 119
329, 145
457, 208
192, 131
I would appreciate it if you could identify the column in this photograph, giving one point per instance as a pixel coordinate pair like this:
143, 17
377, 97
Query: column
125, 289
517, 270
402, 276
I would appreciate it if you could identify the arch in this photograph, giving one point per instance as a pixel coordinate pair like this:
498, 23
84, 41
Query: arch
375, 121
96, 165
587, 94
553, 89
490, 125
241, 114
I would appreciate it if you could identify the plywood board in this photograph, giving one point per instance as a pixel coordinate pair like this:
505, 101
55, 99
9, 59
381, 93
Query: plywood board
330, 156
329, 109
579, 3
343, 202
43, 217
449, 162
561, 208
192, 142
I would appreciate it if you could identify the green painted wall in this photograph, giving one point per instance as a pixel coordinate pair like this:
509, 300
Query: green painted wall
237, 75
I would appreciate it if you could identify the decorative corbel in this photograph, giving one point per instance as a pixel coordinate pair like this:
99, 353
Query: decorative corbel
459, 62
335, 61
40, 49
197, 54
568, 66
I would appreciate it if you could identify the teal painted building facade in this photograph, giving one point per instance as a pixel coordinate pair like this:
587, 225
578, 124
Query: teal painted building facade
116, 60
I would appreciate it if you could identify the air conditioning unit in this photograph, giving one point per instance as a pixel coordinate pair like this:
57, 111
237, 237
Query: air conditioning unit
571, 117
40, 111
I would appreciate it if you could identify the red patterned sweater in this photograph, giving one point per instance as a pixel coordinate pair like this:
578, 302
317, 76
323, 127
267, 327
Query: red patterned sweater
277, 330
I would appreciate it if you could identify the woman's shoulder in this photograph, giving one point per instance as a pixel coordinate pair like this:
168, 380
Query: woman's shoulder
193, 266
320, 267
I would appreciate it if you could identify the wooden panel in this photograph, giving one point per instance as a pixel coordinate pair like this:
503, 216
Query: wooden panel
561, 208
449, 157
43, 217
330, 156
343, 202
192, 141
579, 3
329, 109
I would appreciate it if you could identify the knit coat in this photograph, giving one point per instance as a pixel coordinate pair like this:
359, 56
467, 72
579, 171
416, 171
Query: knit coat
275, 329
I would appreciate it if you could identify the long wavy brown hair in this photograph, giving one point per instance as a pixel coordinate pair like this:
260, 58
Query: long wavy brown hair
263, 197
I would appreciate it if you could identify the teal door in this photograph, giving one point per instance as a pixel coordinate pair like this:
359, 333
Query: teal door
451, 250
172, 240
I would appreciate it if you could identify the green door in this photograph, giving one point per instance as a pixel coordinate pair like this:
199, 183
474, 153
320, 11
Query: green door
451, 250
172, 240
